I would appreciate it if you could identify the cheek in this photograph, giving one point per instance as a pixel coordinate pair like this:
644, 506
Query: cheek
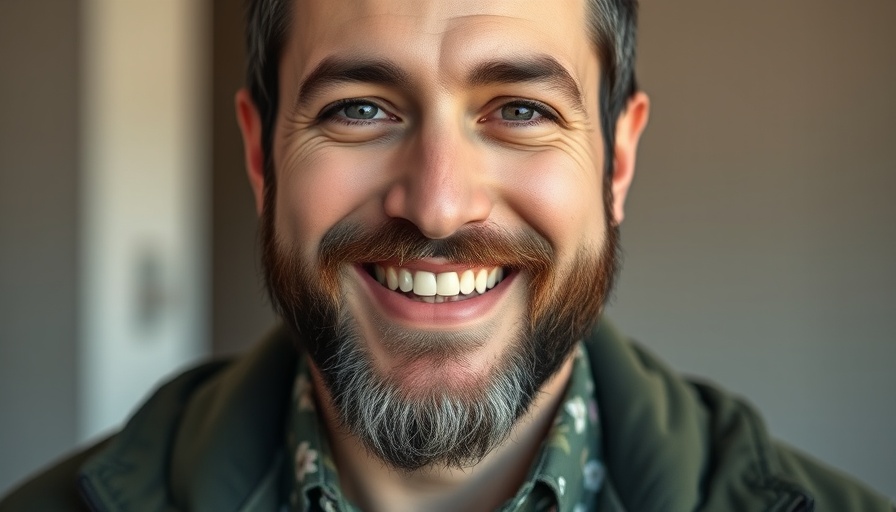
321, 185
558, 196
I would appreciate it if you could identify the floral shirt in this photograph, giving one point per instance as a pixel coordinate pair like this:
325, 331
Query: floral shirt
566, 476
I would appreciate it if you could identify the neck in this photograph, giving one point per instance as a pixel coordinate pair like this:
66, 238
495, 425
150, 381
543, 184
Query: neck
370, 484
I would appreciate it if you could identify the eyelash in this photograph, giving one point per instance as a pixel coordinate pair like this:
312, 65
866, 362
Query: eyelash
544, 112
329, 113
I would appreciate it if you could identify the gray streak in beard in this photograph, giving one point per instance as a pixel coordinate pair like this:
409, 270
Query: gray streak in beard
433, 430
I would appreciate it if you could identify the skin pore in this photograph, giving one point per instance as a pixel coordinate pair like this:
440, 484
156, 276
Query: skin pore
444, 115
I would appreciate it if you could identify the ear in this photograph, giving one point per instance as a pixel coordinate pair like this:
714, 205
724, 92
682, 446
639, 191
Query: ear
629, 126
250, 126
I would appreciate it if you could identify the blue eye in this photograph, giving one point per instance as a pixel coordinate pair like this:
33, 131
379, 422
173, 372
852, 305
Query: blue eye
355, 112
361, 111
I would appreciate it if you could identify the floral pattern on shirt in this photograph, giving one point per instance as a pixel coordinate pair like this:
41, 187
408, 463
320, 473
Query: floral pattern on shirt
305, 461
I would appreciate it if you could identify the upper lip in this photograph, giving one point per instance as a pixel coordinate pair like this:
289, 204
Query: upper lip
434, 266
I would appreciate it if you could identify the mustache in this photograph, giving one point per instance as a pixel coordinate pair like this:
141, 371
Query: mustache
523, 250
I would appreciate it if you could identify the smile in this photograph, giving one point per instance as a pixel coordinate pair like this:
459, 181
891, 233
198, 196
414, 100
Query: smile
436, 288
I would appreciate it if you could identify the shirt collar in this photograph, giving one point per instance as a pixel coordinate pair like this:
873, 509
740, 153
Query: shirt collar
567, 474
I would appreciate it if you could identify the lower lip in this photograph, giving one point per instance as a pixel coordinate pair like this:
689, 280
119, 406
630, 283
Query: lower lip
423, 314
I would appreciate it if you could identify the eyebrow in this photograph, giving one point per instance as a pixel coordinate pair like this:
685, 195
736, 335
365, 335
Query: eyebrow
541, 68
336, 70
545, 69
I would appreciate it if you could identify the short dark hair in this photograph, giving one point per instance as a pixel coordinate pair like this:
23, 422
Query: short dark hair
613, 25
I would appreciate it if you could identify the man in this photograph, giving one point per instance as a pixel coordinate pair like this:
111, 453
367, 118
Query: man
439, 186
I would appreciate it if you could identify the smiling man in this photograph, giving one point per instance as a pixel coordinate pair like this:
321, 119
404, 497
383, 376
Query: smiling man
439, 210
439, 186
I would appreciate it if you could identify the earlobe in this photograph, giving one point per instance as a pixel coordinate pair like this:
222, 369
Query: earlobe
629, 126
250, 126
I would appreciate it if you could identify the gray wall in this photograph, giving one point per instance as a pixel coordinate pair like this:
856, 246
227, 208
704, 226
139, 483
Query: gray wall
38, 222
760, 240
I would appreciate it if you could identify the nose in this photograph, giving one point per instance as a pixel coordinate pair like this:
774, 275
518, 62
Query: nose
442, 183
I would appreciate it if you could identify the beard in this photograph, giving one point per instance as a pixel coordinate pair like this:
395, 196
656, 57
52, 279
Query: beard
411, 429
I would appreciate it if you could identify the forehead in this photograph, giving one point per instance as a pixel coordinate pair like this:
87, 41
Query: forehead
440, 37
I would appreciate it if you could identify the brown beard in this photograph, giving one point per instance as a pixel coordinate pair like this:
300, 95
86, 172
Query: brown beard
309, 298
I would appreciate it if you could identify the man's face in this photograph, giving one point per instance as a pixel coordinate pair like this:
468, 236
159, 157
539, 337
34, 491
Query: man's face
439, 215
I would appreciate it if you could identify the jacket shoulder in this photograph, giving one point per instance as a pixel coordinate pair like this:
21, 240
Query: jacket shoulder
62, 485
53, 489
676, 444
829, 488
748, 456
210, 435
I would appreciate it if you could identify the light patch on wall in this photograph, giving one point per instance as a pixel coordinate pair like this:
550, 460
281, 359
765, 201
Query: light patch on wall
144, 276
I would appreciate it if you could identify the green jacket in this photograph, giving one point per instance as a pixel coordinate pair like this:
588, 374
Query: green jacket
212, 440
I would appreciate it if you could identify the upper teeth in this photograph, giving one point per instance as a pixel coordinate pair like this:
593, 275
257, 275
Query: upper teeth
443, 284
